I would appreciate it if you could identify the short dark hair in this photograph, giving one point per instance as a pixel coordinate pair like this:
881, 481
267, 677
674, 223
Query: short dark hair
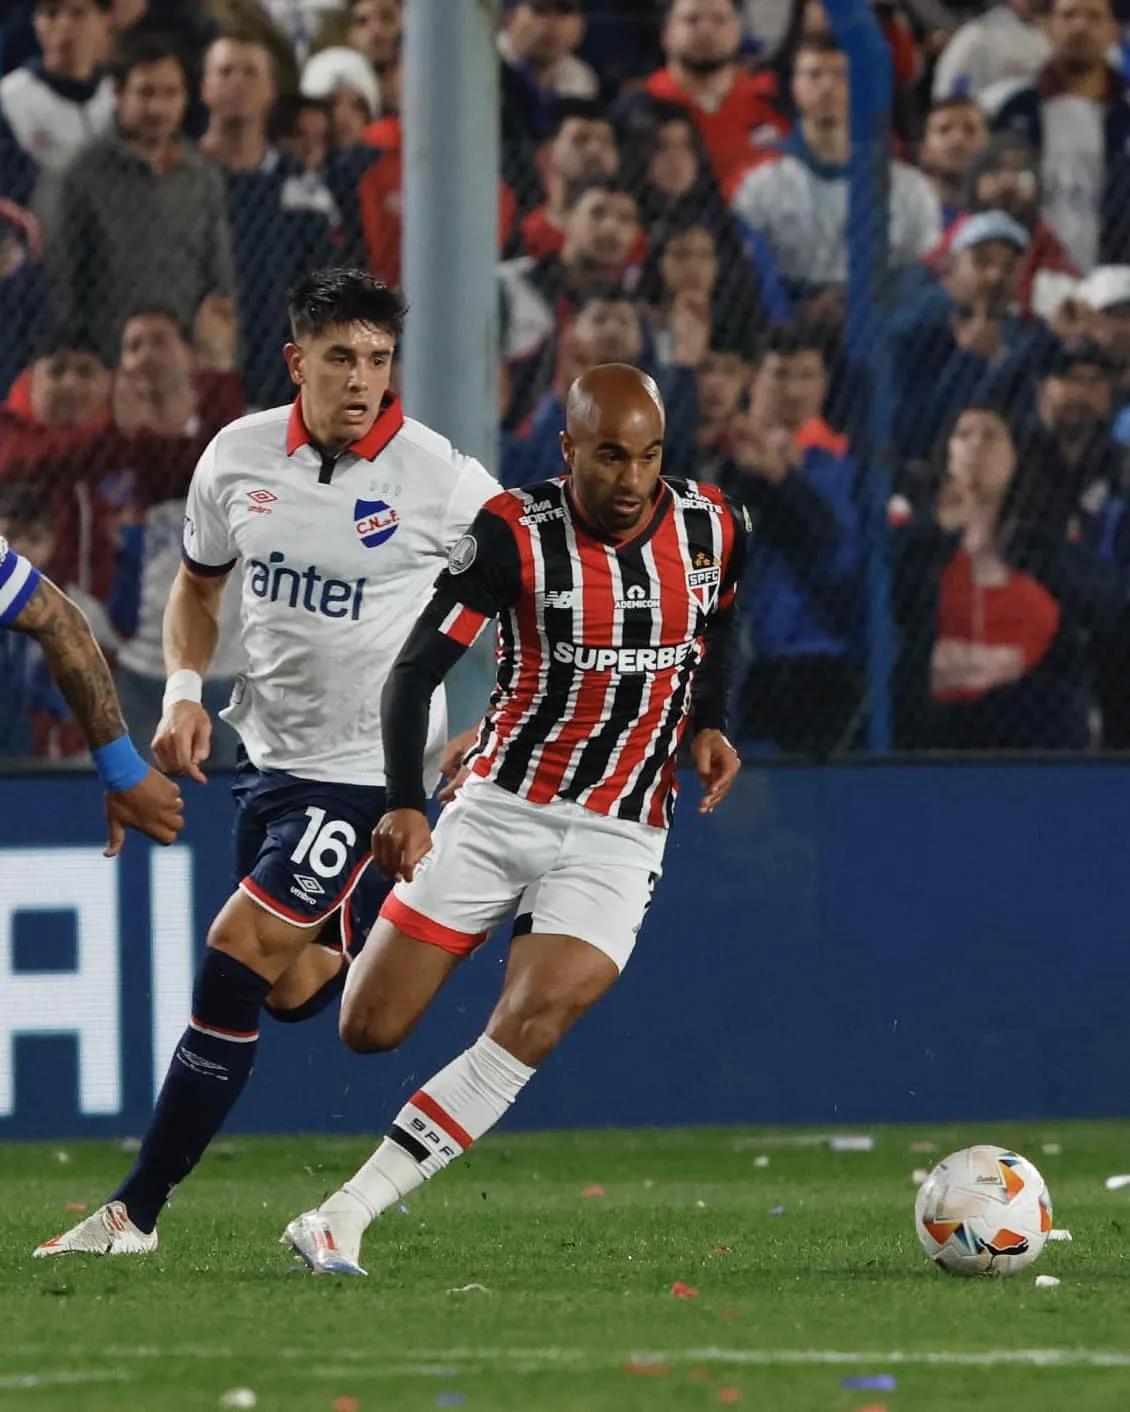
56, 338
138, 49
953, 100
604, 294
669, 8
160, 311
287, 109
103, 5
579, 189
586, 109
800, 336
327, 299
818, 43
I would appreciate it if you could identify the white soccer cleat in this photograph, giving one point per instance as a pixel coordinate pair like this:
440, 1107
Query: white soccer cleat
311, 1237
109, 1231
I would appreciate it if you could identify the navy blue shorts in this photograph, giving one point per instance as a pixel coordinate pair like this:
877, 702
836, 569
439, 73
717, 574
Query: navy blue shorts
302, 851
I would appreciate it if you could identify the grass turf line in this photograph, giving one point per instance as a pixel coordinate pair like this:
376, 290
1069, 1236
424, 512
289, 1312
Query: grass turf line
576, 1286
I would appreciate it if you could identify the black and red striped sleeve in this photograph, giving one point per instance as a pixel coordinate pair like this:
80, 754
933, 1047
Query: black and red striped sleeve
482, 579
710, 691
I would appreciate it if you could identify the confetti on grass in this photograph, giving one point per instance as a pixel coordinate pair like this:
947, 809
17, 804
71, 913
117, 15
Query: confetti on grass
776, 1210
238, 1397
593, 1191
1059, 1235
1046, 1282
1117, 1183
644, 1368
450, 1399
346, 1404
881, 1382
683, 1291
470, 1289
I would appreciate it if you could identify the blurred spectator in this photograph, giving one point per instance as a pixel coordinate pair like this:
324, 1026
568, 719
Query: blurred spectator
1071, 460
1077, 116
381, 210
990, 659
1006, 177
582, 143
607, 328
798, 202
946, 339
157, 389
1099, 312
23, 290
722, 383
347, 81
55, 103
686, 289
1008, 42
540, 296
798, 596
302, 128
302, 20
538, 67
140, 215
956, 133
280, 219
734, 110
376, 29
32, 707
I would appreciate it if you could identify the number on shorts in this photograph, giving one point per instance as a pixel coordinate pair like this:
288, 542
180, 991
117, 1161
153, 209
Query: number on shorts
326, 845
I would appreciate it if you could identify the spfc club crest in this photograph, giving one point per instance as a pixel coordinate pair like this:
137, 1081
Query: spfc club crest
704, 579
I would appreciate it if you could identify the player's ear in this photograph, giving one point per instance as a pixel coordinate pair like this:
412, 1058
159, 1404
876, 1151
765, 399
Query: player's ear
293, 355
567, 448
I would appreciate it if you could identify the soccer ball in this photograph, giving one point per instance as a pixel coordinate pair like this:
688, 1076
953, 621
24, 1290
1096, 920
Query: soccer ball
983, 1211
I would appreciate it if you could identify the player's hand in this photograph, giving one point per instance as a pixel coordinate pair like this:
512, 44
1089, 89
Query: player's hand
153, 806
184, 740
452, 767
400, 840
717, 763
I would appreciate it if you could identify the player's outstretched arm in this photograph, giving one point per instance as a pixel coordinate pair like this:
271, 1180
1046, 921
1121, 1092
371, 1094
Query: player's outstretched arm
190, 630
136, 796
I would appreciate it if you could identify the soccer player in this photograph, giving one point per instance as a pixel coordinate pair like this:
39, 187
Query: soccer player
339, 512
137, 796
615, 591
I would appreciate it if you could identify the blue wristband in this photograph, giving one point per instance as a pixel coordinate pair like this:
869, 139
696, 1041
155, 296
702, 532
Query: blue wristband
119, 765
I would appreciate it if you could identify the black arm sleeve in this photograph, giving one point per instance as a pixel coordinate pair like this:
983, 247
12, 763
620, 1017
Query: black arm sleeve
482, 579
711, 691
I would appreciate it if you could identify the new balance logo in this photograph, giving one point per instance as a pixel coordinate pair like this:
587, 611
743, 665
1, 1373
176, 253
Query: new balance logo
310, 885
261, 501
558, 598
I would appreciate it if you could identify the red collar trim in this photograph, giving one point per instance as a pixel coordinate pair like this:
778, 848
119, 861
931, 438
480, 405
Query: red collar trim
389, 421
817, 435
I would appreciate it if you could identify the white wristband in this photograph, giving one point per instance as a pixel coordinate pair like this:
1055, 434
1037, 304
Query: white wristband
183, 685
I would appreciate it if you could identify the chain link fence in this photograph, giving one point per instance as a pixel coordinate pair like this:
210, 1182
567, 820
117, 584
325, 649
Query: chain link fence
941, 549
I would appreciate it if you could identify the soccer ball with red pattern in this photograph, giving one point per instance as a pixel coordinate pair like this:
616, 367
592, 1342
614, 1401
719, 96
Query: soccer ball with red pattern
983, 1211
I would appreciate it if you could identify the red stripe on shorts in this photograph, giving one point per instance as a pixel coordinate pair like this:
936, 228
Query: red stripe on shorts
421, 928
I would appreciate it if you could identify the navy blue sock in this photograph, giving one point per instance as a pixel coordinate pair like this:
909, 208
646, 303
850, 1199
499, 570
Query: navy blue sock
212, 1063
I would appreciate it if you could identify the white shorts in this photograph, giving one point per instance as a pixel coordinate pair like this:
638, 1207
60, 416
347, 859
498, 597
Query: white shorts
557, 868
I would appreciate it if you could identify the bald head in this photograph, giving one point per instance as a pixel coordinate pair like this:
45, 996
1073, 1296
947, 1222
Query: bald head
613, 444
609, 395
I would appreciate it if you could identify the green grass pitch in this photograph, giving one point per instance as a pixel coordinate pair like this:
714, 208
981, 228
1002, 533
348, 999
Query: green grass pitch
577, 1286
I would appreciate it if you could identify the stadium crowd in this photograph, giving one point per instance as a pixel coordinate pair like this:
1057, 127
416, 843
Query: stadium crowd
673, 193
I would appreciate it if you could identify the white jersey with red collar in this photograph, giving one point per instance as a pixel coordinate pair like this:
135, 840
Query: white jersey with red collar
336, 560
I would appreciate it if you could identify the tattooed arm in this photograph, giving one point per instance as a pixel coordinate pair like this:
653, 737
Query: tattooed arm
75, 662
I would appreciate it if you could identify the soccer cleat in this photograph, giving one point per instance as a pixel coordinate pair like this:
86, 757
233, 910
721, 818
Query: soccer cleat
109, 1231
312, 1239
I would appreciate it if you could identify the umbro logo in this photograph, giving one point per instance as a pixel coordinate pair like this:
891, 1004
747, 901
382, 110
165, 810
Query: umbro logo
309, 885
261, 501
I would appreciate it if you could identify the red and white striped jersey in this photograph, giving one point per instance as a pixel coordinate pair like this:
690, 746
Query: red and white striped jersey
600, 641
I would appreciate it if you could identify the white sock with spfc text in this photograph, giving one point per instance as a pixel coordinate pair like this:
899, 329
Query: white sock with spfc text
437, 1124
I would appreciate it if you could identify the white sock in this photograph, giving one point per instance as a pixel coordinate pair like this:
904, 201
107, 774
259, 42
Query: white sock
436, 1125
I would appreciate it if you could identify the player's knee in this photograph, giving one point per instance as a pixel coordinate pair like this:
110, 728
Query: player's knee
244, 931
368, 1029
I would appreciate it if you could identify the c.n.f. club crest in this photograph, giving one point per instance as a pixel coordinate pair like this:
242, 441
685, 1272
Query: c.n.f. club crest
704, 579
375, 522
